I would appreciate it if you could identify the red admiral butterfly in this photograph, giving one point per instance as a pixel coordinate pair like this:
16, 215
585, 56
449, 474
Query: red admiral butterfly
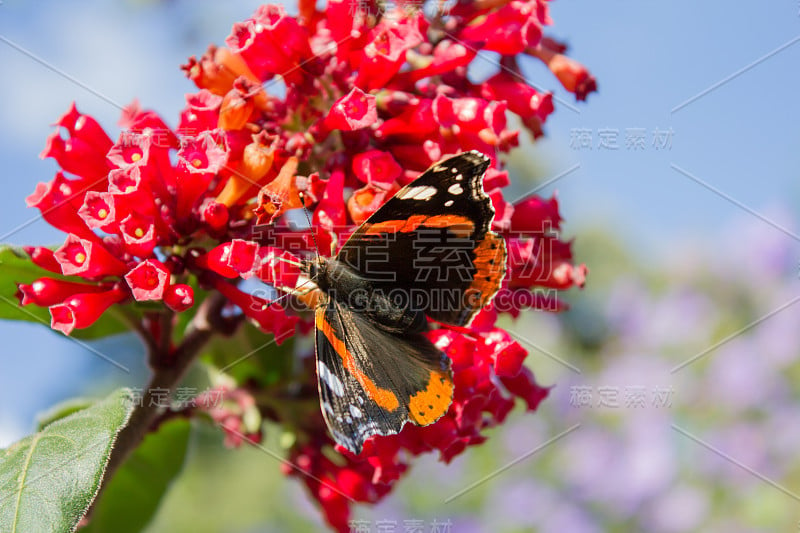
426, 253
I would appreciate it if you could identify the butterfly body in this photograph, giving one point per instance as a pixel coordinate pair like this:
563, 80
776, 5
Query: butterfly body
345, 285
428, 253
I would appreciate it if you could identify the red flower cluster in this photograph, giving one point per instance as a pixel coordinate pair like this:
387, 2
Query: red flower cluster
370, 101
130, 213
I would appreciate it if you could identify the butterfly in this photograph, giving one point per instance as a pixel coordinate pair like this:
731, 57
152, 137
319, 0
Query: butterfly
427, 253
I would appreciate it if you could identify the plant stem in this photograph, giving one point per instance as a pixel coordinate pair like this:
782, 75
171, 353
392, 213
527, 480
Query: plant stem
168, 369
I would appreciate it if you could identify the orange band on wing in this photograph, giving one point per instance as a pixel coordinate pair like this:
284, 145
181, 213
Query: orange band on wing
490, 269
456, 224
386, 399
427, 406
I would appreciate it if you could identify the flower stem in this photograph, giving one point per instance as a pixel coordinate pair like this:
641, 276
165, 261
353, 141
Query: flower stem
167, 373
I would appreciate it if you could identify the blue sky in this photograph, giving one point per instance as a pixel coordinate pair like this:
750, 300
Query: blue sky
733, 155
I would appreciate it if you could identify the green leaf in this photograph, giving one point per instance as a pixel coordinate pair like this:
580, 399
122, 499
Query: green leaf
62, 410
49, 479
133, 495
16, 267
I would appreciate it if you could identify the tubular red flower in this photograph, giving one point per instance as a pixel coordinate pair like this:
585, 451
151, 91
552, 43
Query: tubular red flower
85, 128
217, 69
415, 124
149, 124
87, 259
241, 256
58, 201
132, 149
447, 57
508, 30
125, 180
98, 211
277, 267
201, 113
216, 260
573, 76
351, 112
148, 280
386, 51
507, 354
82, 310
43, 258
45, 292
200, 159
330, 215
523, 385
536, 216
520, 97
139, 234
76, 156
290, 37
377, 167
271, 43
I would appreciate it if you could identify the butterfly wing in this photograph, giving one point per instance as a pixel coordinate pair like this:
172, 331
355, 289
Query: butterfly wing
432, 242
371, 382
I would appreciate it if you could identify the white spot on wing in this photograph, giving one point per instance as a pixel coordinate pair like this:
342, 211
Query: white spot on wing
420, 192
330, 379
448, 203
355, 412
455, 189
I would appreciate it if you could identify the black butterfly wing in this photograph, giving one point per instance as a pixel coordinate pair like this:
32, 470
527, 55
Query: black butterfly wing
432, 243
371, 382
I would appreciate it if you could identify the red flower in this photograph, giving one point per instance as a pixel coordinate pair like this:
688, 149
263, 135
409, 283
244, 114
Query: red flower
376, 167
45, 292
98, 210
87, 259
385, 52
509, 30
330, 216
138, 234
43, 258
572, 75
353, 111
59, 202
148, 280
82, 310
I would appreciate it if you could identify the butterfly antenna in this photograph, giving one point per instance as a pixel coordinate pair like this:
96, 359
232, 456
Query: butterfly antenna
316, 252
